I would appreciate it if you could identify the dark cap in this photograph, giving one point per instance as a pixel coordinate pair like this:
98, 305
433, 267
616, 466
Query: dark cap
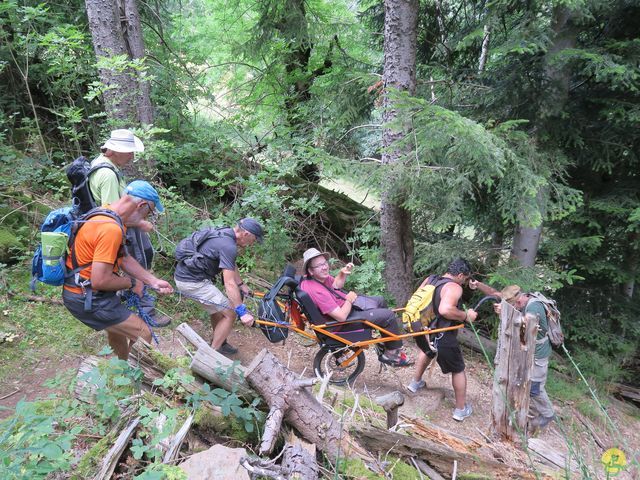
252, 226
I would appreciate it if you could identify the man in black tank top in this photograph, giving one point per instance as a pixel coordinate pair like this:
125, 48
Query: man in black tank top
447, 304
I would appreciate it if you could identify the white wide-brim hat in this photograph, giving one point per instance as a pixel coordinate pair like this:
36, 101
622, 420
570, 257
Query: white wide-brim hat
310, 254
124, 141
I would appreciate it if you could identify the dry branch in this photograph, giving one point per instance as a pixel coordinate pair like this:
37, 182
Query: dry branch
113, 455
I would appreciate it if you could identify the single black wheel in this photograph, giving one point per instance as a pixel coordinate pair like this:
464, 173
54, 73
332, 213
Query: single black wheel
331, 359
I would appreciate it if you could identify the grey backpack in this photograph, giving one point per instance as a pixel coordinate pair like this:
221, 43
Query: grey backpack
554, 332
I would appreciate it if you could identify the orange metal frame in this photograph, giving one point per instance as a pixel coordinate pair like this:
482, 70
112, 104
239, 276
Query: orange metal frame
300, 321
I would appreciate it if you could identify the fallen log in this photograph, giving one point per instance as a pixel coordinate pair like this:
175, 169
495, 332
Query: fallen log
220, 371
115, 452
215, 367
551, 456
626, 392
299, 459
290, 400
437, 454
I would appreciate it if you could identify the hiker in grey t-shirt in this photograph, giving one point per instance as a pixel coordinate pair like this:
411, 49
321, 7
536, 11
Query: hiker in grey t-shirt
201, 257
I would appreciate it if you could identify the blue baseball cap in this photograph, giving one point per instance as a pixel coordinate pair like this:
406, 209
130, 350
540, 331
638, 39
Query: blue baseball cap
142, 189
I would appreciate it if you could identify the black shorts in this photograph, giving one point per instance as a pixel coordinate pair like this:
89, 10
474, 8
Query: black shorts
106, 309
449, 357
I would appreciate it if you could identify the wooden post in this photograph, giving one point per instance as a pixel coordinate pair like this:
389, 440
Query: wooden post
511, 380
391, 402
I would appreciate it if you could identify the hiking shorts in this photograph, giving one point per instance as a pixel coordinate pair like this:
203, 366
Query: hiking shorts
106, 309
449, 357
205, 293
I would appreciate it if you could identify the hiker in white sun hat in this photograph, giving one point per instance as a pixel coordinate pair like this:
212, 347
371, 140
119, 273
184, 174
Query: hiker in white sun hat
123, 141
107, 185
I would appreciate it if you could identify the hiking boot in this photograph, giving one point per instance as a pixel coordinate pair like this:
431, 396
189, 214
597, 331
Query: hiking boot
161, 321
227, 349
460, 414
398, 360
414, 386
538, 423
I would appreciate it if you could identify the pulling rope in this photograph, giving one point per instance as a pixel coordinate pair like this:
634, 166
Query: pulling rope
133, 303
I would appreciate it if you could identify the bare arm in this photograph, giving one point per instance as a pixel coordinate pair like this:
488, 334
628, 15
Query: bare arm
131, 267
103, 278
341, 313
451, 293
341, 278
484, 288
230, 279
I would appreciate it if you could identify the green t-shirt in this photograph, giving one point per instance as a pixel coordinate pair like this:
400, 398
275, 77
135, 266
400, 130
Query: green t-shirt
104, 184
543, 349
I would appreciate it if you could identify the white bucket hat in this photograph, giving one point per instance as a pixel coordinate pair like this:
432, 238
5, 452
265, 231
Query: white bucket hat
124, 141
310, 255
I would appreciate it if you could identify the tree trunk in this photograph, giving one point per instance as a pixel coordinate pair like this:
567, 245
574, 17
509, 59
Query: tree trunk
484, 50
525, 245
527, 237
215, 367
631, 265
119, 95
400, 27
289, 400
438, 454
511, 380
135, 42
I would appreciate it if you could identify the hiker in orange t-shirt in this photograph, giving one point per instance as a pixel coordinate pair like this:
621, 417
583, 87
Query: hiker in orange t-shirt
90, 296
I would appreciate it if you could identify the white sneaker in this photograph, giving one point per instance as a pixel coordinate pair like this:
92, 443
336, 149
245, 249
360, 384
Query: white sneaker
460, 414
414, 386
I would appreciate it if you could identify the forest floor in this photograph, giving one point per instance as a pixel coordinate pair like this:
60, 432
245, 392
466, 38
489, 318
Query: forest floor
43, 351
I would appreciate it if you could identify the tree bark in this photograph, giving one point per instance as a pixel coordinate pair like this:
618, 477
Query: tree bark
299, 459
289, 400
400, 33
511, 380
135, 42
527, 237
484, 50
108, 41
525, 245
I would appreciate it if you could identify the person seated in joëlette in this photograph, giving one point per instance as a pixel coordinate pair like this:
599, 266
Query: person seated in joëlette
336, 305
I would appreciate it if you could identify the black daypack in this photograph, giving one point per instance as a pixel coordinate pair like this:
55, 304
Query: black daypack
188, 249
78, 174
269, 308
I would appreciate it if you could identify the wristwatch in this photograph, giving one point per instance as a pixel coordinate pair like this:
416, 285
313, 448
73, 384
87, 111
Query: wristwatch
133, 283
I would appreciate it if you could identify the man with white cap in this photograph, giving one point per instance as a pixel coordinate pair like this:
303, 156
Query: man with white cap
201, 257
106, 184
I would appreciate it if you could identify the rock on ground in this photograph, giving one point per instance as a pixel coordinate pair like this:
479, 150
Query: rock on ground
217, 463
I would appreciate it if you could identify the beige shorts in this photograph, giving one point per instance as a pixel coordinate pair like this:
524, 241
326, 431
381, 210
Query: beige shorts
205, 293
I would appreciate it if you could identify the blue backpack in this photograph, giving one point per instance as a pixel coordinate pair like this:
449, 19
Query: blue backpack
53, 270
